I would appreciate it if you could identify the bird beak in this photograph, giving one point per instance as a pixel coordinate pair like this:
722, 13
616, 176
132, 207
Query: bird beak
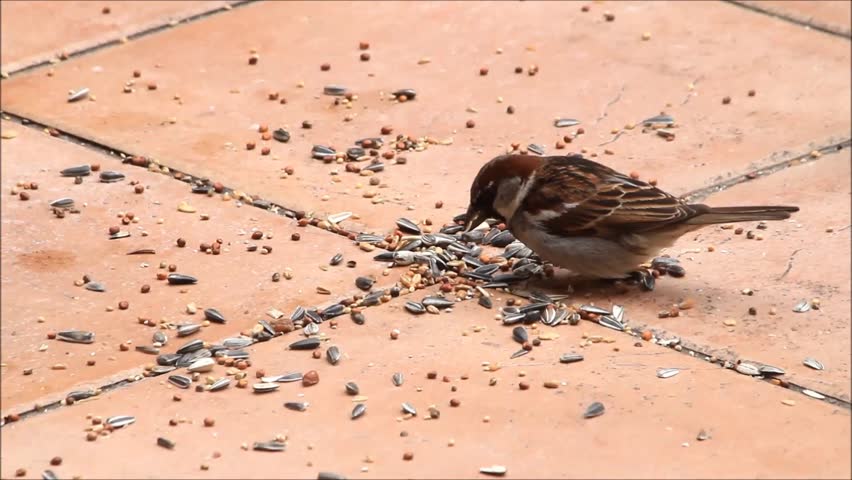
474, 218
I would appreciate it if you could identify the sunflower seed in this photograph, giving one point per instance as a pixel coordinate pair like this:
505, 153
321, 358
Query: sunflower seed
305, 344
565, 122
143, 251
330, 476
770, 370
408, 92
78, 95
165, 443
213, 315
76, 336
160, 370
408, 226
120, 421
236, 342
297, 406
168, 359
335, 260
409, 409
570, 358
747, 369
202, 189
187, 359
148, 349
265, 387
520, 334
608, 321
273, 446
702, 435
535, 148
519, 353
667, 372
180, 381
334, 90
437, 302
80, 171
594, 309
311, 329
181, 279
119, 235
235, 354
352, 388
415, 307
358, 411
358, 318
574, 319
364, 283
65, 202
495, 470
332, 355
95, 287
220, 384
188, 329
48, 475
802, 306
813, 394
339, 217
202, 365
658, 119
267, 327
286, 378
618, 313
332, 311
485, 301
813, 363
110, 176
397, 379
281, 135
594, 410
82, 394
674, 270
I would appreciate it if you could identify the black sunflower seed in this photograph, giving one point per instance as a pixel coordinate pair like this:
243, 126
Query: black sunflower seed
409, 409
594, 410
520, 334
305, 344
297, 406
408, 226
80, 171
335, 260
364, 283
486, 301
565, 122
334, 90
570, 358
191, 347
110, 176
281, 135
180, 381
213, 315
188, 329
409, 93
437, 302
358, 411
352, 388
120, 421
415, 307
181, 279
62, 203
76, 336
273, 446
168, 359
398, 378
358, 318
333, 355
165, 443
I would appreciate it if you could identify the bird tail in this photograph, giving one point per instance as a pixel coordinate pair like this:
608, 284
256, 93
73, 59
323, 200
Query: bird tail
713, 215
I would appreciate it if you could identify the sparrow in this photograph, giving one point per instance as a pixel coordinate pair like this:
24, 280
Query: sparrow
586, 217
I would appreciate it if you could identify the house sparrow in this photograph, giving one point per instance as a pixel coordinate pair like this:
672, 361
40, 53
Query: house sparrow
588, 218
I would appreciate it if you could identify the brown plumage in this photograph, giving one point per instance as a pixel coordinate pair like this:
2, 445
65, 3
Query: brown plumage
570, 202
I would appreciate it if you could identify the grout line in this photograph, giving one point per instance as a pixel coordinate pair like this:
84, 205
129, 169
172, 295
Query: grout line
704, 192
133, 36
125, 157
792, 19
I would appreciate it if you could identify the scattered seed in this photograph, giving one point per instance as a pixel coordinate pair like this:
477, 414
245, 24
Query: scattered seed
594, 410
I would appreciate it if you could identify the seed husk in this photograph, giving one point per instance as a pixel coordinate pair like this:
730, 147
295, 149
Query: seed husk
332, 354
667, 372
358, 411
594, 410
813, 394
65, 203
48, 475
398, 378
148, 349
608, 321
119, 235
188, 329
202, 365
335, 260
747, 369
181, 279
76, 336
364, 283
813, 363
220, 384
305, 344
415, 307
286, 378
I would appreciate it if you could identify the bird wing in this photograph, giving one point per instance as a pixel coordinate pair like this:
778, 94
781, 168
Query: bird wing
572, 196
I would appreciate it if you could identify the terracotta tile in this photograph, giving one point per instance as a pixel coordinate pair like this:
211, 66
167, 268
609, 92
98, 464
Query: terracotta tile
600, 72
73, 26
42, 257
646, 417
831, 14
